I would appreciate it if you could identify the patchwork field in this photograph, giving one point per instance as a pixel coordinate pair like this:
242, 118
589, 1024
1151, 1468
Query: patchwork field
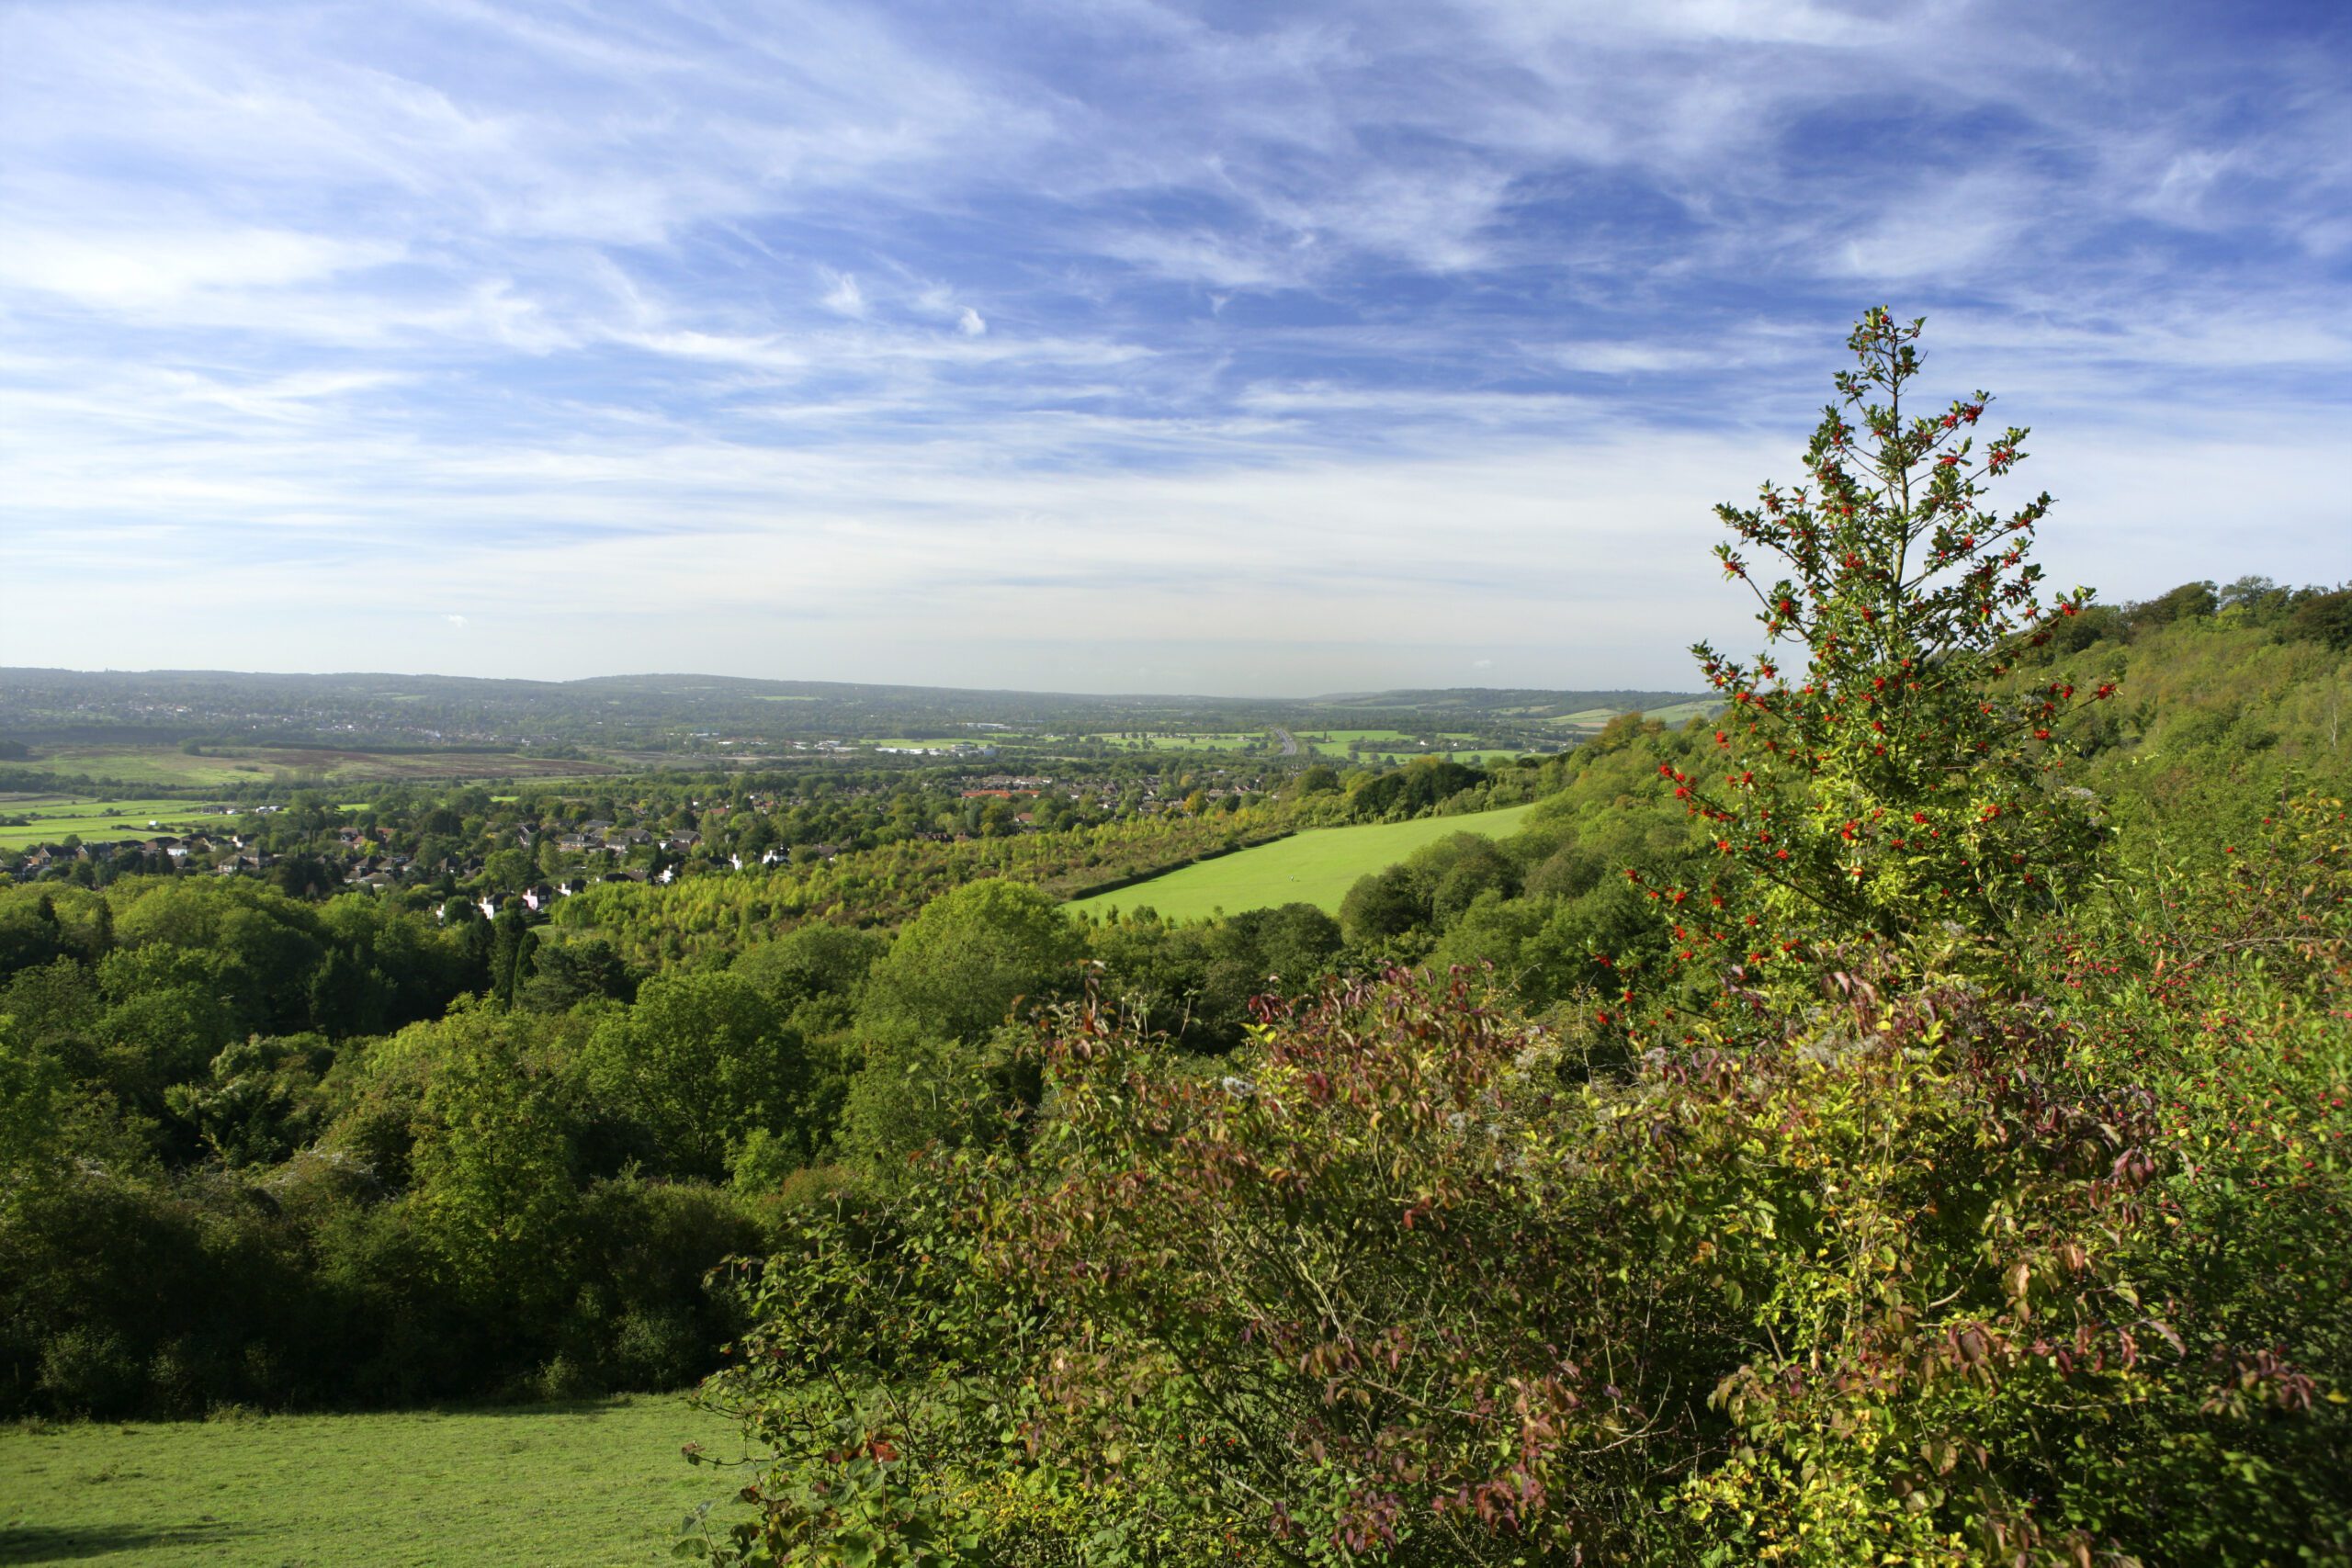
1675, 713
1231, 741
1317, 867
585, 1485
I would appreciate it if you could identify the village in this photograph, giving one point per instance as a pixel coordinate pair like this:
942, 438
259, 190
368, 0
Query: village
537, 848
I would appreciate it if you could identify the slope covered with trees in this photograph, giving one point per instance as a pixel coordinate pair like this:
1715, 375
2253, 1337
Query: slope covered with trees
1904, 1124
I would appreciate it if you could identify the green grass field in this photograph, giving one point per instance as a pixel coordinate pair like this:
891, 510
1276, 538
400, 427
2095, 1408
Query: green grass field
99, 818
583, 1485
1316, 867
264, 764
1334, 743
151, 765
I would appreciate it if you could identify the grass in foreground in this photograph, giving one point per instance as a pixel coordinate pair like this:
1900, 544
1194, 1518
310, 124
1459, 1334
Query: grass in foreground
1316, 867
589, 1483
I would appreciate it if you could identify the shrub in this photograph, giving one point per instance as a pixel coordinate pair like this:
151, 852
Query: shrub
1882, 782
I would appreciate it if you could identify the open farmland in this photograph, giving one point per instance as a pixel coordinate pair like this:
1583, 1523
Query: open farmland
1183, 742
1317, 867
49, 819
1335, 742
1672, 713
583, 1484
169, 767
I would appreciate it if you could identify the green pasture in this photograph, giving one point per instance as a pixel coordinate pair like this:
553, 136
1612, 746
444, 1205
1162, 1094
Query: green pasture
150, 765
99, 818
1316, 867
587, 1485
1335, 742
169, 765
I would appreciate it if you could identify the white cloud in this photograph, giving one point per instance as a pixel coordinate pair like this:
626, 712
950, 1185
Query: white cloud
660, 314
146, 267
844, 297
1628, 358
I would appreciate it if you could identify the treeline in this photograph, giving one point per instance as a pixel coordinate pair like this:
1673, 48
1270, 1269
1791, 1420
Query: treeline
264, 1151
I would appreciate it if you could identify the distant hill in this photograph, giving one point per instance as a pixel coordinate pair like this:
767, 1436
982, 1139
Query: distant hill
663, 711
1501, 702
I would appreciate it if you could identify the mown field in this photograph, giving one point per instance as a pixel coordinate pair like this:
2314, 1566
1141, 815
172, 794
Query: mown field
96, 818
576, 1485
170, 766
1316, 867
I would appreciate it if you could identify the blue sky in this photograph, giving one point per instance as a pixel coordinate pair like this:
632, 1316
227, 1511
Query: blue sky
1111, 346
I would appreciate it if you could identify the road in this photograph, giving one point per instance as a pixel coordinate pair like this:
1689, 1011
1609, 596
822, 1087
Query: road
1290, 744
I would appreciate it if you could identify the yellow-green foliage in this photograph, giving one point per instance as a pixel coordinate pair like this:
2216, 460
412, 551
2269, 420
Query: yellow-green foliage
1929, 1270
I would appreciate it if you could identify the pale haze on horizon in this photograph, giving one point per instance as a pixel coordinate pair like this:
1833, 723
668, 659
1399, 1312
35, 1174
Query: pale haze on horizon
1241, 349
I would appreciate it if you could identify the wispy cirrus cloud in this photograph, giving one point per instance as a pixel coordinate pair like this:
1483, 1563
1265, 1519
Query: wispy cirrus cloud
1277, 347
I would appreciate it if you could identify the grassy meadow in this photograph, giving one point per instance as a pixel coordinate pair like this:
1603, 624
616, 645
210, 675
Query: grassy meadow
1335, 742
96, 818
578, 1485
169, 767
1316, 867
